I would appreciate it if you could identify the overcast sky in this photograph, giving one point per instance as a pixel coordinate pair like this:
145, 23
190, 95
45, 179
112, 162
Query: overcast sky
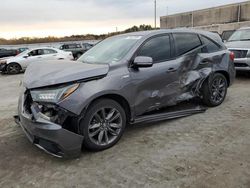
66, 17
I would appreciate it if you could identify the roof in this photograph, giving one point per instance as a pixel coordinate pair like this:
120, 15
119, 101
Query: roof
162, 31
150, 33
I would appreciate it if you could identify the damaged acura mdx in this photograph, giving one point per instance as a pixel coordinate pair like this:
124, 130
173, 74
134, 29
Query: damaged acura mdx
122, 80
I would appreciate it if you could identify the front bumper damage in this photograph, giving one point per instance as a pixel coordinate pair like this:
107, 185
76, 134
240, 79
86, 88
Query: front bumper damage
47, 135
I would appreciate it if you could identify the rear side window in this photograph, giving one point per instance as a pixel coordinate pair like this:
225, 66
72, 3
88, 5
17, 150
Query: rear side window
185, 42
65, 47
49, 51
158, 48
72, 46
210, 46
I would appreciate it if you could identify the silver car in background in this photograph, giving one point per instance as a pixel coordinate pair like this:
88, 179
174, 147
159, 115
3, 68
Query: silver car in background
239, 43
16, 64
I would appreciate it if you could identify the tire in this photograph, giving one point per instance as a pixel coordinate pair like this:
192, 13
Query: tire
100, 134
214, 90
13, 68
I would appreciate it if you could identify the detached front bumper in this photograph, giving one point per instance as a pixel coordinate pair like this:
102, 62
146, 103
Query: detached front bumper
48, 136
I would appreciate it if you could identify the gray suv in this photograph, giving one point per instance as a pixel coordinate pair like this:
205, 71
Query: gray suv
239, 44
122, 80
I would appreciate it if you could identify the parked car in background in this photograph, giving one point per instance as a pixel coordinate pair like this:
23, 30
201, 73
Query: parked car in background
87, 46
7, 53
226, 35
239, 44
20, 62
76, 49
123, 79
20, 50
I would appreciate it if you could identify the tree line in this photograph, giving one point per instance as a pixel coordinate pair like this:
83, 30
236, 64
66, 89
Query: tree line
29, 40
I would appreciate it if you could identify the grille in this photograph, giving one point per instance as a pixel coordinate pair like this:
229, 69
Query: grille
239, 53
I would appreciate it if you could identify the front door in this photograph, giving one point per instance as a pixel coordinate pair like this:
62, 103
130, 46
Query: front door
33, 56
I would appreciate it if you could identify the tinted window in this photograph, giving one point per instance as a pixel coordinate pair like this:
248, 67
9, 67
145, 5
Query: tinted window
227, 34
72, 46
210, 46
185, 42
65, 47
36, 52
158, 48
49, 51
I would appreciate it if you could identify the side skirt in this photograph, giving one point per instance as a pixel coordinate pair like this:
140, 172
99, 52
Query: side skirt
169, 115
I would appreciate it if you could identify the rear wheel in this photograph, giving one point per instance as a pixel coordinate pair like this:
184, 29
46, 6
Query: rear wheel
13, 68
214, 90
103, 124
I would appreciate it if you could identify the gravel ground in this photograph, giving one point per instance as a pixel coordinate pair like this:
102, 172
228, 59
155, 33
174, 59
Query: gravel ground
211, 149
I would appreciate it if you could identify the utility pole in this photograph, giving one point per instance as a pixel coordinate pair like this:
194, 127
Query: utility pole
155, 14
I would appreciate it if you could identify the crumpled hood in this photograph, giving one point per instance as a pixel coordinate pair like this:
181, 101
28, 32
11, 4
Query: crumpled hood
238, 44
47, 73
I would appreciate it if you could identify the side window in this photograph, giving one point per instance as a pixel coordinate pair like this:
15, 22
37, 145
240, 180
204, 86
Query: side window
185, 42
49, 51
33, 53
65, 47
40, 52
158, 48
210, 46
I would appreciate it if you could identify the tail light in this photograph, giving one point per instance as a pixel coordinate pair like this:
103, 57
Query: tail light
232, 56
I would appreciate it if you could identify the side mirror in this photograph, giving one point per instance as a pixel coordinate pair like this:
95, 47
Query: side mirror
143, 62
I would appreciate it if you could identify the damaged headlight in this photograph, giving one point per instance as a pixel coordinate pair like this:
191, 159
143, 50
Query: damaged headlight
53, 95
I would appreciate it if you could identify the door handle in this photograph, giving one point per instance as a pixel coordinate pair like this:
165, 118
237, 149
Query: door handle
206, 61
171, 70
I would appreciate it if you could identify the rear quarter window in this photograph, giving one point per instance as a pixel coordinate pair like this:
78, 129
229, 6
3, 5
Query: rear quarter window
185, 42
210, 46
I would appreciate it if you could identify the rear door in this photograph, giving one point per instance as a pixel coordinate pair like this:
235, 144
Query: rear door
188, 46
49, 54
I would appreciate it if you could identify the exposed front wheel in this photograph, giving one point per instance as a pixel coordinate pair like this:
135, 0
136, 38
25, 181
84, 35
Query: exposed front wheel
215, 90
103, 124
13, 68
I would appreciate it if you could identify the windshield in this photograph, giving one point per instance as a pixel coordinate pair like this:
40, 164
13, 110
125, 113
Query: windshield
110, 50
240, 35
22, 53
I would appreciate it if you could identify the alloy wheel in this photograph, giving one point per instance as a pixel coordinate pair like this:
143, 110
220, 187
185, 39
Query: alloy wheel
105, 126
13, 68
218, 89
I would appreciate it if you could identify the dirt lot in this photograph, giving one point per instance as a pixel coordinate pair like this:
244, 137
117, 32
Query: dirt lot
205, 150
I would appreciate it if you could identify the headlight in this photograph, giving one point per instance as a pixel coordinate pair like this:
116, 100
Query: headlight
53, 95
3, 61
